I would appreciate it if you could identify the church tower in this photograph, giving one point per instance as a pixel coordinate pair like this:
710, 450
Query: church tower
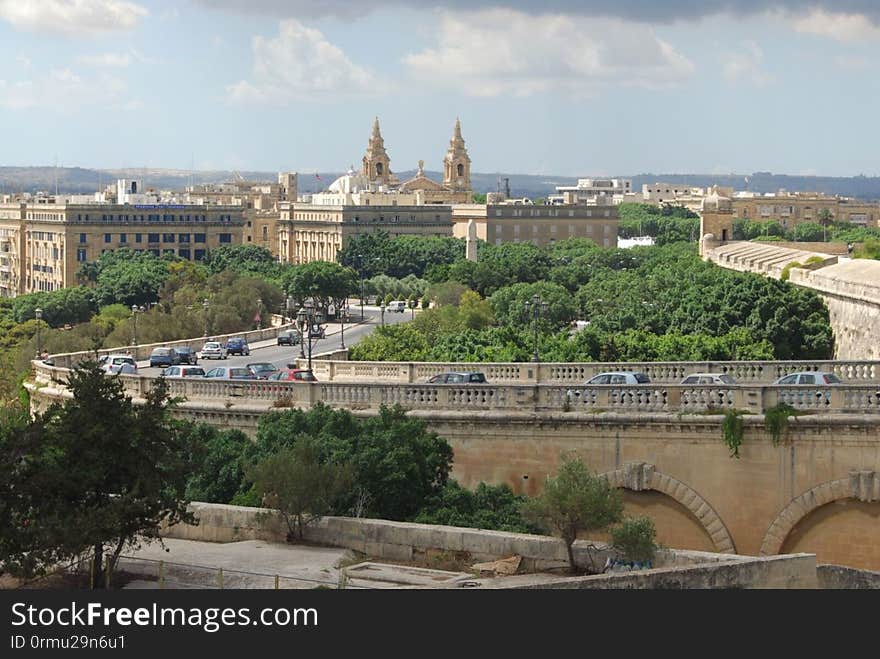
457, 163
377, 164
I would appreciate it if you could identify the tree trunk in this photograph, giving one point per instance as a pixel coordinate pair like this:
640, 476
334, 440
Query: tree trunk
98, 571
569, 548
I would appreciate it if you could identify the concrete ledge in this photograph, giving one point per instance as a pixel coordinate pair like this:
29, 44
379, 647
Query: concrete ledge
841, 577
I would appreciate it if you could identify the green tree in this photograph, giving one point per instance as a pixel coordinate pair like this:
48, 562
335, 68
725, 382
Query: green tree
635, 539
574, 501
326, 283
493, 507
94, 473
299, 485
217, 462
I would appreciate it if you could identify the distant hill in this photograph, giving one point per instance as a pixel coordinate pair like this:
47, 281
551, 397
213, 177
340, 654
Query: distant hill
80, 180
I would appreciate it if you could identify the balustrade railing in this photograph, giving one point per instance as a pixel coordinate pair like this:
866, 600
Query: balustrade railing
506, 397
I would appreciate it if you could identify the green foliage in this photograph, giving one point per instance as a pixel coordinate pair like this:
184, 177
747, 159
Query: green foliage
807, 232
126, 276
776, 421
667, 224
479, 198
815, 260
243, 259
94, 473
298, 484
732, 431
217, 471
393, 343
509, 305
397, 464
326, 283
747, 230
66, 306
493, 507
635, 539
376, 253
574, 501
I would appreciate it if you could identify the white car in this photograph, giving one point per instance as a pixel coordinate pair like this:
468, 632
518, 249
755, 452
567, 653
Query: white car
213, 350
114, 363
809, 377
708, 378
619, 377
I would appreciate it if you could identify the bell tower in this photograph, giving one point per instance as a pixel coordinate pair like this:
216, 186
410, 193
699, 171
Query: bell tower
377, 164
457, 163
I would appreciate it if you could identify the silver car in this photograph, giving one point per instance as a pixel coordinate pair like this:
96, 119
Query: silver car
213, 350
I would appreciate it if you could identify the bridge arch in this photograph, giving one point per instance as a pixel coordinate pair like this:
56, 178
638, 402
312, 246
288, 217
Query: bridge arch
861, 485
640, 476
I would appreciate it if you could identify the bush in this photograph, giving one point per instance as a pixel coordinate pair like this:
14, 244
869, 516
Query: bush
635, 540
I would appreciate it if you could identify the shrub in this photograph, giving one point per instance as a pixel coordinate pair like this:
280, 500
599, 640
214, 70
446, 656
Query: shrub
635, 539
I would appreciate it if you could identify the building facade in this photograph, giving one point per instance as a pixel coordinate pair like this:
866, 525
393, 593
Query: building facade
791, 209
541, 225
594, 191
52, 238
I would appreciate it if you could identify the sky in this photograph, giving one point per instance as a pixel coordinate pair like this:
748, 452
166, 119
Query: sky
557, 87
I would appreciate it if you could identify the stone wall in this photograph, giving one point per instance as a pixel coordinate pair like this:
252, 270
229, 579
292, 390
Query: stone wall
838, 576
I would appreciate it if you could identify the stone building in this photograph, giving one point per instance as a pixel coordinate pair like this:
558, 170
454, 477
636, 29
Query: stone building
791, 209
49, 238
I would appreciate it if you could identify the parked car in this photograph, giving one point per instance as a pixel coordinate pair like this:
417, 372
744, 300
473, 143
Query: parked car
294, 375
289, 337
458, 377
231, 373
186, 355
184, 372
619, 377
213, 350
263, 369
112, 363
237, 346
163, 357
809, 377
708, 378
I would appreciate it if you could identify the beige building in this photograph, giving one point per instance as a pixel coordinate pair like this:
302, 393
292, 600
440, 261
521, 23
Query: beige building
51, 237
374, 199
540, 225
791, 209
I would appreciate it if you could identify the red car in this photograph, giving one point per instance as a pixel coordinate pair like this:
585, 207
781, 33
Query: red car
294, 375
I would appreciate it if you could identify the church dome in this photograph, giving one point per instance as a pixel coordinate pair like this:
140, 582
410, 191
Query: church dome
350, 183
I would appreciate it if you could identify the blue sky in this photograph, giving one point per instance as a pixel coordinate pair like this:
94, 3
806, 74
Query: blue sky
573, 88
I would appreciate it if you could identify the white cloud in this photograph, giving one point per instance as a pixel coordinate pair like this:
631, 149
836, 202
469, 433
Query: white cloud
106, 60
62, 90
501, 51
851, 62
71, 17
300, 64
838, 26
747, 65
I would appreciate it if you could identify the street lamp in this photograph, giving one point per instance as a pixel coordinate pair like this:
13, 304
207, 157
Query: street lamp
412, 307
360, 258
382, 308
135, 310
258, 317
205, 307
308, 319
340, 312
536, 306
38, 314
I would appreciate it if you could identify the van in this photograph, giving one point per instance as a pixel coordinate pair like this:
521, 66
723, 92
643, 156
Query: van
396, 305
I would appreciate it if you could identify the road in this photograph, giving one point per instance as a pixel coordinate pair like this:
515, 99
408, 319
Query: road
280, 356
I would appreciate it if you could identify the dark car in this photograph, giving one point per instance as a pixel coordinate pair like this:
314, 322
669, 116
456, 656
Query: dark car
289, 337
456, 377
186, 355
262, 369
237, 346
294, 375
163, 357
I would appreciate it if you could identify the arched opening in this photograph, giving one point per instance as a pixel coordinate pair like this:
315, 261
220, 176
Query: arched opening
460, 169
379, 168
843, 532
134, 187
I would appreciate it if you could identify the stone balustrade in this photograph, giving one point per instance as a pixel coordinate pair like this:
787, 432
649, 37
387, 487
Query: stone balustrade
512, 397
747, 372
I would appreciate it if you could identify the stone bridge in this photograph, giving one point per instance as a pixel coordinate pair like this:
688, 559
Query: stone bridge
816, 489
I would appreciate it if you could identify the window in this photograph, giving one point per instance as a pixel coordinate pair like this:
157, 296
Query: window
265, 233
82, 238
199, 254
167, 237
225, 238
184, 253
107, 238
123, 238
200, 237
137, 237
153, 238
183, 237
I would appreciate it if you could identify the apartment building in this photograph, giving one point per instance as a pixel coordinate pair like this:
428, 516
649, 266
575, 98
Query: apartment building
793, 208
48, 240
540, 225
594, 191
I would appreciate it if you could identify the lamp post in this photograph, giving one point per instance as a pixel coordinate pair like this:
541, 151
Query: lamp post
38, 314
382, 309
205, 307
360, 258
412, 307
258, 317
340, 312
308, 318
135, 310
536, 306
